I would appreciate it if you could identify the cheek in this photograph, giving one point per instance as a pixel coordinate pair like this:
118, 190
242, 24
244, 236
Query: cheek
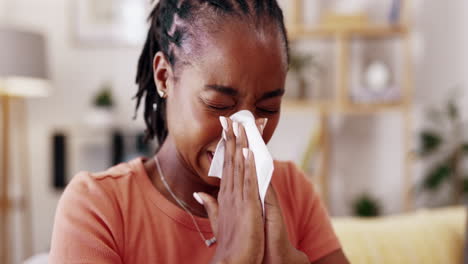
204, 126
270, 128
205, 130
192, 128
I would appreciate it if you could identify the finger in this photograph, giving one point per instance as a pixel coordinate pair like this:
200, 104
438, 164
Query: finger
273, 211
230, 141
211, 207
271, 199
243, 136
261, 124
241, 143
250, 177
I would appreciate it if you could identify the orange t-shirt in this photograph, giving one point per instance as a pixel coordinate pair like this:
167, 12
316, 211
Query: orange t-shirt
118, 216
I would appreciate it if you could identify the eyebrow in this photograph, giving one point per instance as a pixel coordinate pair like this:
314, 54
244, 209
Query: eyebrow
233, 92
275, 93
222, 89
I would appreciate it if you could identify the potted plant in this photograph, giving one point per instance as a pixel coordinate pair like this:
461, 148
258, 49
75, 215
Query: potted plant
366, 206
301, 65
444, 147
102, 114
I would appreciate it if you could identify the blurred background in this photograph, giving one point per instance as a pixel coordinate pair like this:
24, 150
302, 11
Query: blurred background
376, 112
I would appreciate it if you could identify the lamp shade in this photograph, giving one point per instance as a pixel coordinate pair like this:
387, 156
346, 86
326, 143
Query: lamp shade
23, 67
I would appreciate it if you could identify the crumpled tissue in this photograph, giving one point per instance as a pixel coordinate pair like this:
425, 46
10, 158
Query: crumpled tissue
263, 160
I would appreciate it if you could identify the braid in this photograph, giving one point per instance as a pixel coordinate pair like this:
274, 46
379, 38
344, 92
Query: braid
222, 5
170, 24
243, 6
147, 87
259, 6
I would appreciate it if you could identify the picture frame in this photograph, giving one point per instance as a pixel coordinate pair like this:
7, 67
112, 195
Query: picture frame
104, 23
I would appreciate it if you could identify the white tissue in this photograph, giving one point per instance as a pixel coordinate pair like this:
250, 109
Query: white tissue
263, 159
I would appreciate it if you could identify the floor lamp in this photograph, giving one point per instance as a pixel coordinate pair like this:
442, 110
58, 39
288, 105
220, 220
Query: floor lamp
23, 74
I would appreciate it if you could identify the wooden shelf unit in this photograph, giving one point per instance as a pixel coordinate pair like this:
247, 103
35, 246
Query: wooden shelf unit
335, 107
342, 35
365, 31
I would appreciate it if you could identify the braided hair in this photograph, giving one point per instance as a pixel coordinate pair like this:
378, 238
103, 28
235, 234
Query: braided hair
171, 24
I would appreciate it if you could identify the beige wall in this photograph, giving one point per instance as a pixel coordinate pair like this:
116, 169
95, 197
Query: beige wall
2, 9
77, 72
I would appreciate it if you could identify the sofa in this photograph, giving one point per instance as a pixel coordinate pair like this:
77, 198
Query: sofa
423, 237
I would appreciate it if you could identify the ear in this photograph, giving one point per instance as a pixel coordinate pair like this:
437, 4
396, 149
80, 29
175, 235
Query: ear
163, 74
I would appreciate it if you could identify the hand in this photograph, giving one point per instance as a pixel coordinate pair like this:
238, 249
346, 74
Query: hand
236, 217
278, 248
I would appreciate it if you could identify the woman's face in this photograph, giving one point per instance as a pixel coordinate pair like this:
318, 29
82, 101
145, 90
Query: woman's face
234, 71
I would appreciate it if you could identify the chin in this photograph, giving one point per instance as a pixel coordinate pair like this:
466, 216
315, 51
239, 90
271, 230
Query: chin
213, 181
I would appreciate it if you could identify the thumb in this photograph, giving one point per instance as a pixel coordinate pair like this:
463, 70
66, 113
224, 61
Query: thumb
270, 196
211, 207
272, 207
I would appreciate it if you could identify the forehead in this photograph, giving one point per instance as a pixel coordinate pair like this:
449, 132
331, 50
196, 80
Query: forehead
239, 52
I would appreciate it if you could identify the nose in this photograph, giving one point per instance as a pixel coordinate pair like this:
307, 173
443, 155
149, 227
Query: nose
259, 121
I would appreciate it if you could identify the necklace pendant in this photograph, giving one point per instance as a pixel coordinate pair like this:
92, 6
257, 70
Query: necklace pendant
210, 242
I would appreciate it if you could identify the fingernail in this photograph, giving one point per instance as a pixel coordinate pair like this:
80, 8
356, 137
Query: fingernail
263, 125
245, 151
198, 198
223, 121
235, 127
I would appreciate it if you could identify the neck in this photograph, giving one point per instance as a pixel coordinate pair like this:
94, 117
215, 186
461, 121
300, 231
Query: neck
182, 180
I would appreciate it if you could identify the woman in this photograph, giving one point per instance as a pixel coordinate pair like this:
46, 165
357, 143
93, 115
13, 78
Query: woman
203, 61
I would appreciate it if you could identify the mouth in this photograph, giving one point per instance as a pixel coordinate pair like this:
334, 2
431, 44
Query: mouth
210, 155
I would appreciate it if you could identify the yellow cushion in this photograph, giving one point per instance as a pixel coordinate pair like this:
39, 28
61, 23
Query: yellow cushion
427, 237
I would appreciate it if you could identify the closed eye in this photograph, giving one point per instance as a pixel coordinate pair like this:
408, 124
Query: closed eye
269, 106
268, 111
219, 107
215, 106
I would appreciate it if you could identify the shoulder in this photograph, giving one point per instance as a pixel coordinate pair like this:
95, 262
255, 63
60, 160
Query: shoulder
294, 188
91, 215
305, 215
107, 190
287, 176
114, 173
296, 192
87, 182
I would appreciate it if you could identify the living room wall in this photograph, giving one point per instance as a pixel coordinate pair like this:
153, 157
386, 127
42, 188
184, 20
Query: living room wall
77, 72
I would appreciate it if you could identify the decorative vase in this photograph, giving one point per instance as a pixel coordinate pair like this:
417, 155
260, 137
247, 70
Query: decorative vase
100, 118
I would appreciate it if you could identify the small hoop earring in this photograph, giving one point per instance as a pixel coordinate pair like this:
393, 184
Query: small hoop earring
154, 115
162, 94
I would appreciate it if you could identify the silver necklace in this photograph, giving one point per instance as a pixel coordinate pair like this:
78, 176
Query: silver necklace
208, 242
179, 201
